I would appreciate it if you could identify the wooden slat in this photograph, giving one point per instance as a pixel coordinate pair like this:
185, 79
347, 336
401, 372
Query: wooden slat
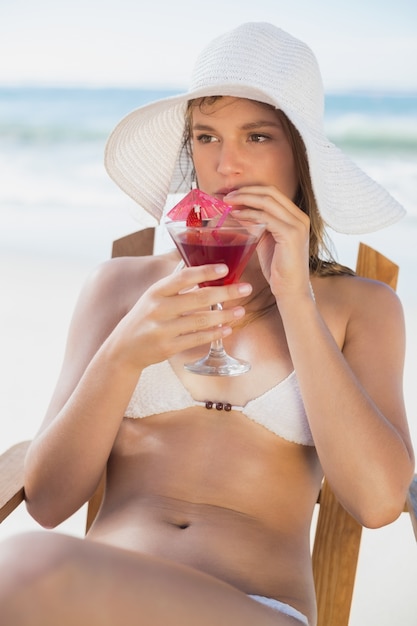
11, 478
140, 243
372, 264
335, 557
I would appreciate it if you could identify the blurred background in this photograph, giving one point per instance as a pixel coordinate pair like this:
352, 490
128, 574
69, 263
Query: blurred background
68, 73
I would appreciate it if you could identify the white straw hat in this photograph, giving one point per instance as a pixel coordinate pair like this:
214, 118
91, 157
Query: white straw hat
260, 62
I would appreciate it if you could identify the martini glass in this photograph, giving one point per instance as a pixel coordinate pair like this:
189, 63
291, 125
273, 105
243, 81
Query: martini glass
229, 244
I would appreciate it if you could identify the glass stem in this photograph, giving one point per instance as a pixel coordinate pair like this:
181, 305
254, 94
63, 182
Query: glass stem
216, 347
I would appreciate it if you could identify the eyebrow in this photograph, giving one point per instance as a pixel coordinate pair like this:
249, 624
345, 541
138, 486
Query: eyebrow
256, 125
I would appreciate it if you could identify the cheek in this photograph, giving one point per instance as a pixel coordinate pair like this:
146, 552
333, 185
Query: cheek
195, 154
292, 180
283, 174
203, 167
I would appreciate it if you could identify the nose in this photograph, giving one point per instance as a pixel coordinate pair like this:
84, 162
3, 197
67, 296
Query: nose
230, 159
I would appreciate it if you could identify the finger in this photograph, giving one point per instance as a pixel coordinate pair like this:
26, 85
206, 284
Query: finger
190, 277
194, 329
203, 298
187, 341
259, 194
258, 202
199, 338
200, 321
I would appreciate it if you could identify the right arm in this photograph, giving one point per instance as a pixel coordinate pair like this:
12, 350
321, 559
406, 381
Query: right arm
109, 343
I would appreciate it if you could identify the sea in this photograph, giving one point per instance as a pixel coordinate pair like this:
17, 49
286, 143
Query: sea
56, 198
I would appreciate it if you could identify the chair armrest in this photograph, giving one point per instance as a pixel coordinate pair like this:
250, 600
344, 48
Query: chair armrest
11, 478
412, 503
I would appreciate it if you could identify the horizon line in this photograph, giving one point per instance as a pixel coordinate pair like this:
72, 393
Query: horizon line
179, 89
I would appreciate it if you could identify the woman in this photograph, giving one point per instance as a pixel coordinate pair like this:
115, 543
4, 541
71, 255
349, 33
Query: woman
207, 513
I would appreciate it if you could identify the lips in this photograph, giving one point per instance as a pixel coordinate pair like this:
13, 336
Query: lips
223, 192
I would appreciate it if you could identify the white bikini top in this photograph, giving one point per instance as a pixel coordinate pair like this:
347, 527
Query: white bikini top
280, 409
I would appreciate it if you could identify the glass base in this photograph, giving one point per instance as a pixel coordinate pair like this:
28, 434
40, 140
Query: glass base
218, 365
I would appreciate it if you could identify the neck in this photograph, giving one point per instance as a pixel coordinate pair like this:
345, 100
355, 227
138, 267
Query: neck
261, 301
261, 295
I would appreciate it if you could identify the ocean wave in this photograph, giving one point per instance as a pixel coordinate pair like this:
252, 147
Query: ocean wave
379, 133
42, 116
62, 115
25, 134
375, 142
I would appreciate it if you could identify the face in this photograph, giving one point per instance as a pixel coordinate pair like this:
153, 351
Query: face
238, 142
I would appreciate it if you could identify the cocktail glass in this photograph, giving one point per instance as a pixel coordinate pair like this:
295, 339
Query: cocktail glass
229, 244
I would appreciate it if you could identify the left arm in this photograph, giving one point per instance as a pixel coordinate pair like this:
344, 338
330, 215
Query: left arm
353, 397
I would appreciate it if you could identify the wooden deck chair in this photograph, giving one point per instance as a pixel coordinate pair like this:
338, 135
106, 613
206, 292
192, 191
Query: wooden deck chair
337, 536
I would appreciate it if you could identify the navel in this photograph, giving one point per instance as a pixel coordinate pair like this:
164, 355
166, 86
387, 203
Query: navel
183, 525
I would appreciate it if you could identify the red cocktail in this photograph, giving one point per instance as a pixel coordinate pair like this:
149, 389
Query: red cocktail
199, 246
232, 245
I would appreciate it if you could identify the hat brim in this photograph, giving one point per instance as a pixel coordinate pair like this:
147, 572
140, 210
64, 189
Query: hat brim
143, 156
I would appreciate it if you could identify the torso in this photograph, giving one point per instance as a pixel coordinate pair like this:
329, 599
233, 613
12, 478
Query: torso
215, 490
160, 390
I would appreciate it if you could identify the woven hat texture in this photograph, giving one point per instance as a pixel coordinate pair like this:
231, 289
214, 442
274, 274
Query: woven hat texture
260, 62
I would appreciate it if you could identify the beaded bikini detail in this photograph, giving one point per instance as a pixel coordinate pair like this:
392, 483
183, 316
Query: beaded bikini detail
280, 409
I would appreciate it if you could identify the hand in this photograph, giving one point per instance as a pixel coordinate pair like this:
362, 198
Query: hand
283, 251
172, 316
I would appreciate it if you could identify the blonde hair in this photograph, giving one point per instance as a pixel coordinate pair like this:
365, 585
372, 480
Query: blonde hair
321, 260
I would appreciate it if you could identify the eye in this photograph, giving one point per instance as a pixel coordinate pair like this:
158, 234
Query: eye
204, 138
258, 137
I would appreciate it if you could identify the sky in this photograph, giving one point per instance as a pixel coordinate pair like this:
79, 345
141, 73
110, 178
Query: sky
360, 44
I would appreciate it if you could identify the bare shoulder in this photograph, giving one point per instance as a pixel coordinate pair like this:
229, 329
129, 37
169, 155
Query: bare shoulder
355, 293
354, 306
109, 293
119, 282
376, 312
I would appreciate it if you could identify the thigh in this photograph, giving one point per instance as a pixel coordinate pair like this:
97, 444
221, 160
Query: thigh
71, 581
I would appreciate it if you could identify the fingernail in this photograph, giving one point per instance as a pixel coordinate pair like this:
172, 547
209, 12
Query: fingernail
221, 269
239, 312
245, 289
